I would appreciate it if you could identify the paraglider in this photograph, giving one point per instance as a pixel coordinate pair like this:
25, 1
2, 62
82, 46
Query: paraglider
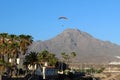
62, 18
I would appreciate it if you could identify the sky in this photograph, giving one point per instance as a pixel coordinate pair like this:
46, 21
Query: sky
39, 18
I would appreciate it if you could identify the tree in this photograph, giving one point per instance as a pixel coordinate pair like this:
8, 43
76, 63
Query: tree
11, 45
52, 59
73, 54
67, 58
31, 58
46, 56
3, 44
24, 42
3, 37
14, 52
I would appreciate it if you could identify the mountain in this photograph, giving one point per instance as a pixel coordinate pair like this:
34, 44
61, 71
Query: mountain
87, 48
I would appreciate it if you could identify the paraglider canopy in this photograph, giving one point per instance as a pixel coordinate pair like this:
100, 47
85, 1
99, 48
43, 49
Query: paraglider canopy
62, 17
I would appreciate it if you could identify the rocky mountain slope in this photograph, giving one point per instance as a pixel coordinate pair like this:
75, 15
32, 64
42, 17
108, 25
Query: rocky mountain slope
87, 48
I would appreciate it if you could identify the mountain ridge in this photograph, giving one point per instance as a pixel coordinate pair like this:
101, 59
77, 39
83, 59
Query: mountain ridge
87, 48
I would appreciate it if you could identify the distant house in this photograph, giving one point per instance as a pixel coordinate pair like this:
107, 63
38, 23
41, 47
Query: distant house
114, 63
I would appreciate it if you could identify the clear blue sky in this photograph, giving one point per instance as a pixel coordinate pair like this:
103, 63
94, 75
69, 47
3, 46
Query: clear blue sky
39, 18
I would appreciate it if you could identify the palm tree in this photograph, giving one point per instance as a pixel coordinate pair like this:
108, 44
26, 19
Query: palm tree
73, 54
52, 59
3, 37
3, 44
3, 47
25, 41
65, 57
13, 46
46, 56
14, 52
30, 59
43, 56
